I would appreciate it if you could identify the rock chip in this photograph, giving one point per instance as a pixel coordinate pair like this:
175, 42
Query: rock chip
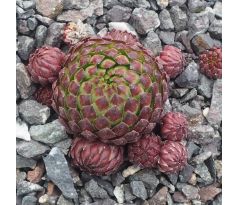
25, 187
179, 197
29, 200
24, 83
130, 170
30, 149
166, 183
58, 172
137, 3
138, 189
189, 96
177, 2
186, 173
95, 190
162, 3
122, 26
20, 176
214, 116
190, 192
192, 149
34, 112
159, 198
22, 27
106, 185
208, 193
22, 130
166, 22
189, 77
119, 14
201, 157
63, 201
22, 162
202, 42
179, 18
32, 23
128, 193
205, 86
31, 4
167, 37
117, 178
21, 14
215, 29
25, 46
218, 9
183, 38
144, 20
153, 43
196, 6
110, 3
119, 194
53, 37
64, 145
44, 20
40, 35
76, 4
49, 133
49, 8
103, 202
203, 172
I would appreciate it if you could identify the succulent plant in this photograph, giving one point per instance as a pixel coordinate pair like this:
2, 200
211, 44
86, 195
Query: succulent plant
173, 157
174, 126
211, 62
173, 61
96, 157
43, 95
45, 64
145, 152
112, 90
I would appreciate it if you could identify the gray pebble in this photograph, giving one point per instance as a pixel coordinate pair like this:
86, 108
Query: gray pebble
117, 179
40, 35
203, 172
167, 37
138, 189
63, 201
162, 3
201, 157
22, 162
25, 187
189, 96
177, 2
29, 4
166, 22
64, 145
20, 176
76, 4
202, 42
196, 6
25, 46
192, 149
153, 43
44, 20
190, 192
32, 23
84, 197
53, 37
205, 86
29, 200
95, 190
128, 193
119, 14
186, 173
218, 9
215, 29
21, 14
179, 18
22, 27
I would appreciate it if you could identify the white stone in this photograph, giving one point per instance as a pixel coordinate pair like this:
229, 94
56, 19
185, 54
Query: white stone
122, 26
119, 193
22, 130
130, 170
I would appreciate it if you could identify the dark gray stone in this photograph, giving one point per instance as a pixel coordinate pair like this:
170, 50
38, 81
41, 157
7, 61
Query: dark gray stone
29, 200
31, 149
214, 116
49, 133
186, 173
177, 2
32, 23
95, 190
33, 112
137, 3
53, 37
148, 178
58, 172
166, 183
215, 29
110, 3
119, 14
22, 162
166, 22
203, 172
196, 6
25, 46
102, 202
22, 27
218, 9
192, 149
167, 37
202, 42
198, 23
205, 86
44, 20
189, 77
178, 92
29, 4
218, 200
24, 83
190, 192
40, 35
138, 189
25, 187
106, 185
128, 193
76, 4
63, 201
173, 178
189, 96
117, 179
183, 37
64, 145
84, 197
144, 20
153, 43
179, 18
21, 14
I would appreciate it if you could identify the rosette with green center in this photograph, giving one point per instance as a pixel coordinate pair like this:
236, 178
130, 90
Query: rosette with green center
111, 88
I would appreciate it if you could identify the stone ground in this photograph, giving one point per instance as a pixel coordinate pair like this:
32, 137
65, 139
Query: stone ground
42, 144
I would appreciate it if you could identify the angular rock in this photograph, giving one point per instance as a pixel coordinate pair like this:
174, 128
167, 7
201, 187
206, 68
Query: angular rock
110, 3
95, 190
215, 29
106, 185
32, 23
29, 4
63, 201
117, 179
190, 192
58, 172
201, 157
119, 14
25, 187
178, 92
183, 37
198, 23
179, 18
196, 6
167, 37
205, 86
53, 37
166, 22
49, 8
64, 145
144, 20
33, 112
30, 149
166, 183
159, 198
189, 77
102, 202
214, 116
218, 9
70, 15
179, 197
137, 3
192, 149
44, 20
84, 197
128, 193
173, 178
22, 27
20, 176
162, 3
153, 43
40, 35
49, 133
76, 4
202, 42
25, 46
29, 200
208, 193
22, 130
189, 96
122, 26
202, 171
130, 170
21, 14
22, 162
148, 178
186, 173
138, 189
119, 194
177, 2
